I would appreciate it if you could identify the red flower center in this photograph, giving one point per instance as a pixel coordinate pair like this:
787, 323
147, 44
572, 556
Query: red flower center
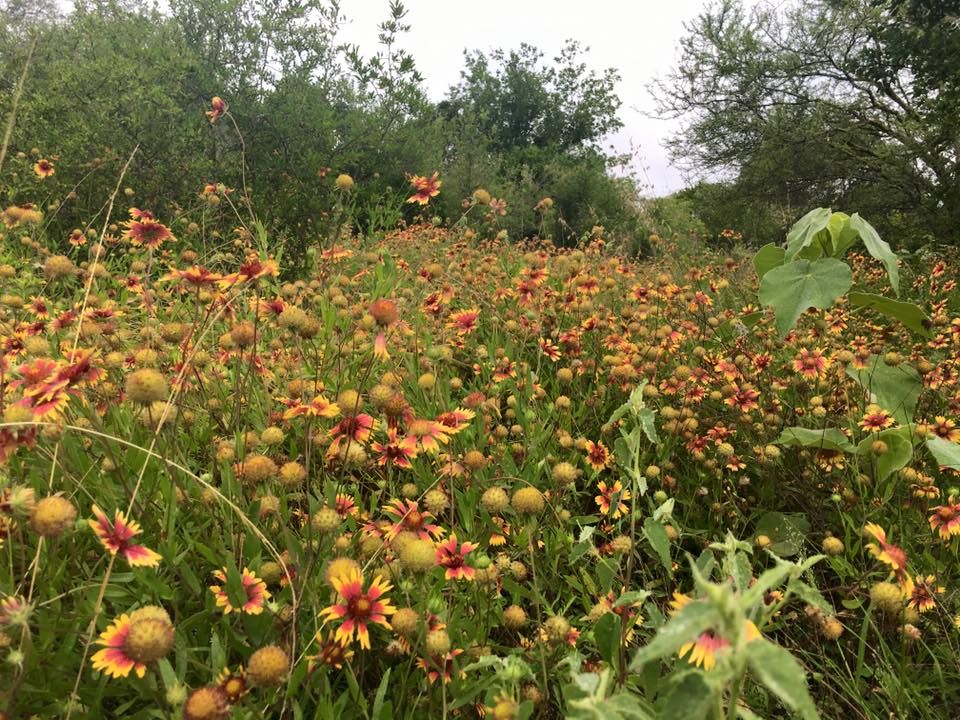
359, 608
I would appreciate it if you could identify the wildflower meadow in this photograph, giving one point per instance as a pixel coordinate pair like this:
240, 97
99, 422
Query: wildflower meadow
412, 463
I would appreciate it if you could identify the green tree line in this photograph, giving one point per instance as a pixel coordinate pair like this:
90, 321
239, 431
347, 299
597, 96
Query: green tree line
106, 76
853, 104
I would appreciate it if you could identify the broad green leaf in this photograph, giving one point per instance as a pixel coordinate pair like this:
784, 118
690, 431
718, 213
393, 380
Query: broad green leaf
606, 632
793, 288
786, 531
827, 439
804, 231
898, 454
878, 248
656, 535
780, 672
685, 626
947, 453
767, 258
689, 698
841, 234
894, 388
909, 314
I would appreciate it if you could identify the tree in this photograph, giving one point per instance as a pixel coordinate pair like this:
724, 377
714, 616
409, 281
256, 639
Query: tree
825, 102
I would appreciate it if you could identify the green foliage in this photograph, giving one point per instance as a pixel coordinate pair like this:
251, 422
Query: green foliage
823, 103
797, 286
894, 388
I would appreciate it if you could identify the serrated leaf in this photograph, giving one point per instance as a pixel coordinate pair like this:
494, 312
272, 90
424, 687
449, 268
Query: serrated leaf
780, 672
894, 388
878, 248
686, 625
946, 453
803, 232
909, 314
657, 536
767, 258
793, 288
826, 439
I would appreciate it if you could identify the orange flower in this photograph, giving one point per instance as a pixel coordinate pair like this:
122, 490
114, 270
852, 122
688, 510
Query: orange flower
410, 518
922, 593
946, 520
318, 407
612, 497
454, 560
43, 169
397, 451
147, 232
115, 536
465, 321
888, 554
424, 188
876, 419
811, 365
598, 456
255, 589
217, 108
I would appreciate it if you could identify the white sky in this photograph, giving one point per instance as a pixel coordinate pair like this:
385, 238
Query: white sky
638, 37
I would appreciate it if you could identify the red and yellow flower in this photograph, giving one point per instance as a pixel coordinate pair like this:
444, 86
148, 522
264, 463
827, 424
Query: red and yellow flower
115, 535
254, 588
424, 188
356, 608
454, 560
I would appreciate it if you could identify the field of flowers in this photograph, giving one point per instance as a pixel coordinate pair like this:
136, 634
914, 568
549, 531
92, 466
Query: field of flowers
436, 472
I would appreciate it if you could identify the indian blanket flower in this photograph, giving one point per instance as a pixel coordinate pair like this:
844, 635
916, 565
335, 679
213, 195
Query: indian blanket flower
598, 456
454, 560
811, 365
888, 553
464, 322
454, 421
612, 497
330, 653
217, 108
410, 518
703, 651
233, 683
922, 593
944, 428
398, 451
43, 168
352, 429
318, 407
115, 535
946, 520
147, 232
356, 608
254, 588
437, 666
876, 419
133, 641
424, 188
430, 434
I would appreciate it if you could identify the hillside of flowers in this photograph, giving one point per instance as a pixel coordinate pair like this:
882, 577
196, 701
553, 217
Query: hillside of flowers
437, 471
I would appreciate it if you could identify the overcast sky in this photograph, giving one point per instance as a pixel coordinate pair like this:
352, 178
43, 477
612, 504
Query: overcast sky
638, 37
